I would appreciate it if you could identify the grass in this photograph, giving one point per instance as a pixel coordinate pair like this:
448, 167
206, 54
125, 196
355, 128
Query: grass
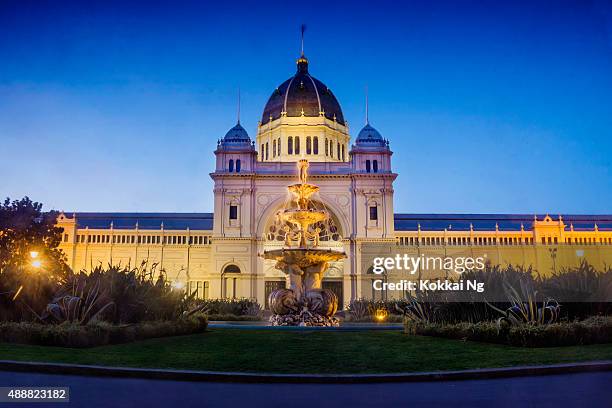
307, 352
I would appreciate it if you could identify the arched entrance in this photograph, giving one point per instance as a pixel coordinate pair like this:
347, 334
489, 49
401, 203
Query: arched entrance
229, 281
331, 236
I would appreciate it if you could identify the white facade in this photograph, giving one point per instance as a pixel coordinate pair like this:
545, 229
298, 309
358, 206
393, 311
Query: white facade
217, 255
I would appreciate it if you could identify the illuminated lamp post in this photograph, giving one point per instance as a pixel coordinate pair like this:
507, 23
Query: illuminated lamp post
36, 263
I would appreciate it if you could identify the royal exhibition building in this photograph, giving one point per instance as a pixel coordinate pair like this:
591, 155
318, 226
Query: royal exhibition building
218, 255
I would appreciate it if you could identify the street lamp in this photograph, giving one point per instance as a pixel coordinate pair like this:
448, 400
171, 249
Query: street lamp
36, 263
178, 285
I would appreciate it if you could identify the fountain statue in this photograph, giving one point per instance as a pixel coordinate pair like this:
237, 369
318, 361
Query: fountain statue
304, 302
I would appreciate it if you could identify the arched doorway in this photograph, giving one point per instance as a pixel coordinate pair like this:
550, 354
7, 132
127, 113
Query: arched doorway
229, 281
330, 237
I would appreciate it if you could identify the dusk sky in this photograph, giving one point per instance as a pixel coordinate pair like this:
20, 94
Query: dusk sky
490, 107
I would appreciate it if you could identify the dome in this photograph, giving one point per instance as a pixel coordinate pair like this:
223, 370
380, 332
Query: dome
368, 136
304, 95
236, 137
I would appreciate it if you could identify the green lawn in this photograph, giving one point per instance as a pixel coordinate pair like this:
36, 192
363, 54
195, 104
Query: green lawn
307, 352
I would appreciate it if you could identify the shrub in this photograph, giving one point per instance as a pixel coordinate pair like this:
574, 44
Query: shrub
118, 295
234, 318
97, 333
584, 291
366, 310
517, 295
236, 307
24, 294
597, 329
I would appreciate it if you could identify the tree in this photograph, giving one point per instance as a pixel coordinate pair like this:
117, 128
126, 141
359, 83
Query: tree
24, 289
25, 228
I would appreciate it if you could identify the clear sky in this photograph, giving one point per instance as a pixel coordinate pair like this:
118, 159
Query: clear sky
489, 106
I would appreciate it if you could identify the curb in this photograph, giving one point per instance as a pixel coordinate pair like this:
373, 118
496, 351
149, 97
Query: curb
215, 376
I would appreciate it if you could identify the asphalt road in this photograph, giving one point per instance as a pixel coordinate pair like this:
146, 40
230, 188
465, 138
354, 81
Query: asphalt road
571, 390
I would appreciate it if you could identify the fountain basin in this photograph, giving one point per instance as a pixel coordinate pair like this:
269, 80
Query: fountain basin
303, 217
304, 257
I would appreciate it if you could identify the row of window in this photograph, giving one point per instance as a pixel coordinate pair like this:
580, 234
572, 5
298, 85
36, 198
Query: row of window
496, 240
143, 239
312, 147
200, 289
586, 241
329, 150
464, 241
231, 166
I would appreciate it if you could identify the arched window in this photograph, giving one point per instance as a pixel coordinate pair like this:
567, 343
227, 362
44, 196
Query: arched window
278, 147
326, 148
343, 153
375, 166
297, 145
238, 166
263, 157
274, 148
308, 145
231, 165
367, 166
267, 151
338, 151
331, 149
231, 269
315, 145
290, 145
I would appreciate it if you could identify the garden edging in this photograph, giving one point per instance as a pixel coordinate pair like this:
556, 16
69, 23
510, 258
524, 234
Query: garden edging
214, 376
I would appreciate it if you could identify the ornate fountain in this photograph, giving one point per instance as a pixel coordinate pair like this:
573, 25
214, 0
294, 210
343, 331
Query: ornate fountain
304, 302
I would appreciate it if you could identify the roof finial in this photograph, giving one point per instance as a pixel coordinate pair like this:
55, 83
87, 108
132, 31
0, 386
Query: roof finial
367, 107
238, 110
302, 29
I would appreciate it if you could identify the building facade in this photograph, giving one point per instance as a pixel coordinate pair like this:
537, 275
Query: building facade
216, 254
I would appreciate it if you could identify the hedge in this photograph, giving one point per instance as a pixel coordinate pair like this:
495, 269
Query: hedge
596, 329
234, 318
97, 333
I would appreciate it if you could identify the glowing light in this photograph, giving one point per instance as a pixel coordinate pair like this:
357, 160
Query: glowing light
381, 314
36, 264
178, 285
33, 254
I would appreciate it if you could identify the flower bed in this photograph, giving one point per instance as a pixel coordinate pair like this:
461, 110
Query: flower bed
97, 333
596, 329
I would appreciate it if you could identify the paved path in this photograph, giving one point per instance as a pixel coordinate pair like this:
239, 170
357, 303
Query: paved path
571, 390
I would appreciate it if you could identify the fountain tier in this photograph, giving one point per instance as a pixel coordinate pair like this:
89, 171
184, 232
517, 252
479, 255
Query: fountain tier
304, 302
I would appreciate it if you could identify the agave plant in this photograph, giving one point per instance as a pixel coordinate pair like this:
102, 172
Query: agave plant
79, 302
526, 309
360, 309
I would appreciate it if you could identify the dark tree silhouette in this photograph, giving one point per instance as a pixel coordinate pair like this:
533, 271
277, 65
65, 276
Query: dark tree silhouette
25, 290
24, 228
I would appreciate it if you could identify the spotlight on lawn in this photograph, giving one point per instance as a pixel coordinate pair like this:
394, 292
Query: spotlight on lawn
381, 314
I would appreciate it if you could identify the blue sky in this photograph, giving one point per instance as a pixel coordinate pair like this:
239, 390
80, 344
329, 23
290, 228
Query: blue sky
489, 107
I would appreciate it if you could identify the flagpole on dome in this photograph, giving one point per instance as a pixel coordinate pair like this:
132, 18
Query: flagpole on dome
238, 108
367, 107
303, 29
